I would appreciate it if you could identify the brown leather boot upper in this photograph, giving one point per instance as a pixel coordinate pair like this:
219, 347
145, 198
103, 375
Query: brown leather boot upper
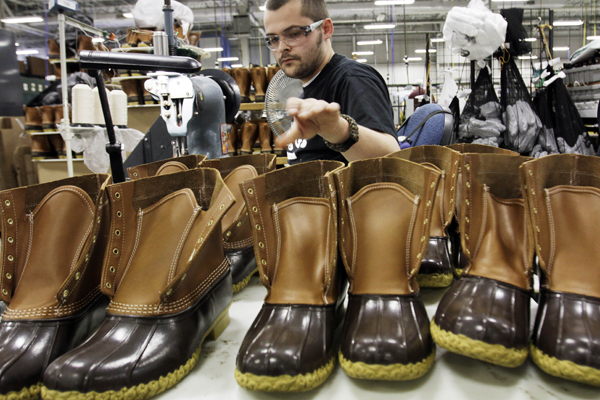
167, 166
242, 78
249, 136
259, 81
265, 137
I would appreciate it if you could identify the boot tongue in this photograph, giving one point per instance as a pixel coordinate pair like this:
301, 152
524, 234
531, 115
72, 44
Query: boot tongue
171, 167
233, 180
58, 229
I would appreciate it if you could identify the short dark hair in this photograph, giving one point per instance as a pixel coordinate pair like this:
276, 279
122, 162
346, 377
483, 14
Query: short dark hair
316, 10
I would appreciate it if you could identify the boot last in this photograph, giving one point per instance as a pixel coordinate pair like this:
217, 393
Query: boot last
485, 314
132, 39
58, 144
170, 286
164, 167
271, 71
436, 267
265, 137
290, 345
237, 231
242, 78
563, 193
459, 260
85, 43
249, 136
232, 139
259, 81
33, 120
58, 115
41, 147
48, 123
53, 240
385, 212
131, 88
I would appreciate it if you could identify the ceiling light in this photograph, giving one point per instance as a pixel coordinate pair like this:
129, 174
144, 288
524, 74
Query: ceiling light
262, 8
128, 15
224, 59
97, 40
393, 2
214, 49
414, 58
527, 57
361, 60
17, 44
558, 48
362, 53
21, 20
437, 40
421, 51
368, 42
568, 23
593, 37
27, 52
237, 65
380, 26
506, 1
530, 39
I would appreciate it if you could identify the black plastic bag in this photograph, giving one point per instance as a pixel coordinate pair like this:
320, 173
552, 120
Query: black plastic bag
518, 113
515, 32
546, 142
480, 120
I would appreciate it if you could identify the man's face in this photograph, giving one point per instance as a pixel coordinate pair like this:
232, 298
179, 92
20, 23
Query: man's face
302, 60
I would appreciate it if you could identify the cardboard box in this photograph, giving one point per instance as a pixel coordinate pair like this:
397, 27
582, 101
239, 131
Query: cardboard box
37, 66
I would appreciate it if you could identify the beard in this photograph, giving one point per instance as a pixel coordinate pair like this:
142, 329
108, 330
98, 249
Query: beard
306, 65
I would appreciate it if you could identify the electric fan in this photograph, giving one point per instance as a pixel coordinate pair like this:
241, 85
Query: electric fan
280, 89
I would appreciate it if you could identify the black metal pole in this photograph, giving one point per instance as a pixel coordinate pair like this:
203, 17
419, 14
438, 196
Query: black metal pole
113, 148
427, 66
169, 28
472, 74
551, 32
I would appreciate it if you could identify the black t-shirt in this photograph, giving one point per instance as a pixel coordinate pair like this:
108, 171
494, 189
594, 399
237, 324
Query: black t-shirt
361, 93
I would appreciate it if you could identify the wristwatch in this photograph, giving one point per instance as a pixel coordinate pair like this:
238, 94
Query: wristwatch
353, 138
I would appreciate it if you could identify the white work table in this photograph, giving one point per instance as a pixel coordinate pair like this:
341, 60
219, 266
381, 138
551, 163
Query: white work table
452, 376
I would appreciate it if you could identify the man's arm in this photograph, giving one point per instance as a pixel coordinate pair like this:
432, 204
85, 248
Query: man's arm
317, 117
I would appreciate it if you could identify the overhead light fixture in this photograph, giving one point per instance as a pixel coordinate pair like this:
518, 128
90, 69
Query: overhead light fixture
97, 40
262, 8
224, 59
22, 20
213, 49
237, 65
437, 40
530, 39
368, 42
393, 2
380, 26
414, 58
27, 52
527, 57
362, 53
361, 60
568, 23
128, 15
506, 1
593, 37
17, 44
559, 48
422, 51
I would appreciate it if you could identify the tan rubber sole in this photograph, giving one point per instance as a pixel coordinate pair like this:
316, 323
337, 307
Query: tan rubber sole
393, 372
244, 282
285, 383
492, 353
434, 280
28, 393
565, 369
147, 390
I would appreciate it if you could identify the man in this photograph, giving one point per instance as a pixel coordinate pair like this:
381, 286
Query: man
345, 113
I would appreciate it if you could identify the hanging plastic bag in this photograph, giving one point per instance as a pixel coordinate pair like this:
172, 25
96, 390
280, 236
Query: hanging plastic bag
480, 118
546, 141
518, 113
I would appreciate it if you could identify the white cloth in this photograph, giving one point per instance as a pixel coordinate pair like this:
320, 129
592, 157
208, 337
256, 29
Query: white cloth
149, 14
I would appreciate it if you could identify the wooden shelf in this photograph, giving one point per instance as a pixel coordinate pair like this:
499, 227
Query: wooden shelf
252, 106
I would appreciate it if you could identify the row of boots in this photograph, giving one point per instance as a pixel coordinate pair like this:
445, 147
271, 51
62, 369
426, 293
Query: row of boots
258, 77
45, 119
242, 138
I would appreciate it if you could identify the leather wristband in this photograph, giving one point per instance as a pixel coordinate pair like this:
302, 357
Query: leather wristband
353, 138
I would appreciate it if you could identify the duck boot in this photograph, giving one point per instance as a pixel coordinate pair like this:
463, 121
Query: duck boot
385, 212
145, 37
131, 88
232, 139
53, 240
132, 39
271, 71
33, 120
290, 345
164, 167
58, 116
146, 96
58, 144
237, 231
563, 193
265, 137
459, 261
259, 81
169, 284
485, 314
48, 123
436, 267
249, 136
242, 78
85, 43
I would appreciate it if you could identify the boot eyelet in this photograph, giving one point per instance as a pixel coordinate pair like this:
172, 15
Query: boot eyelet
5, 292
263, 262
428, 203
257, 227
467, 166
432, 184
118, 232
426, 221
77, 276
239, 224
8, 276
183, 277
419, 255
250, 191
255, 209
117, 195
261, 245
210, 222
467, 220
94, 239
116, 251
135, 174
65, 294
468, 185
200, 240
10, 258
87, 257
7, 202
466, 236
530, 172
10, 221
169, 292
108, 285
10, 239
228, 234
467, 202
222, 206
112, 269
119, 214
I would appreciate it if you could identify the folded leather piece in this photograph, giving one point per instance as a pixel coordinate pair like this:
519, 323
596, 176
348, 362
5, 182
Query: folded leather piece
459, 260
290, 345
170, 288
53, 239
168, 166
436, 267
563, 193
385, 217
237, 231
485, 314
